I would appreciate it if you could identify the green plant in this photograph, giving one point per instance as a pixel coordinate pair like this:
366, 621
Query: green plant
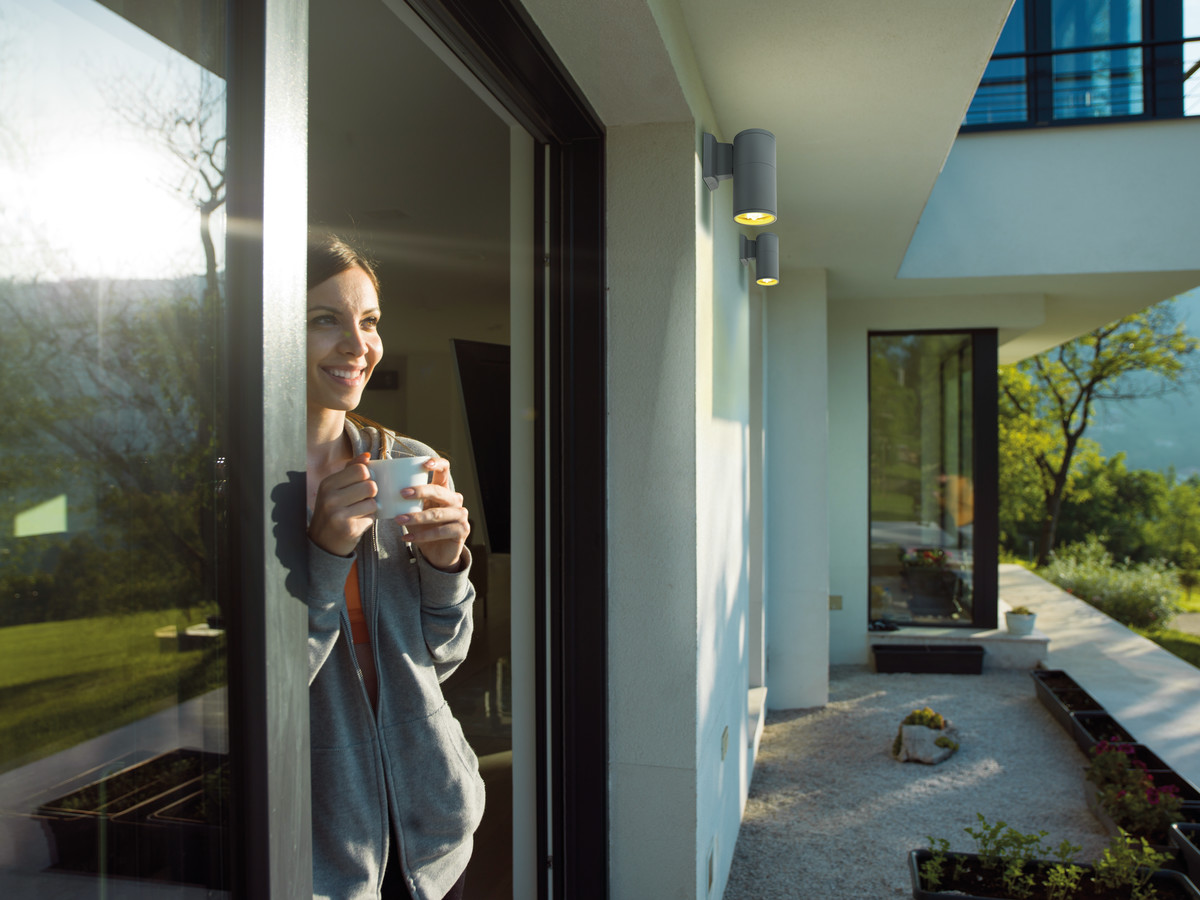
1129, 794
1021, 611
1129, 861
934, 868
1013, 857
1138, 595
1062, 881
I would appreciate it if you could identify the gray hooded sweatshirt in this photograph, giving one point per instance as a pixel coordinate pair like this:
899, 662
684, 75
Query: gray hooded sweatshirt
407, 760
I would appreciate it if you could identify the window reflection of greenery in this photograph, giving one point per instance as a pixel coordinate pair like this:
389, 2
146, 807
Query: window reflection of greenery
62, 683
121, 421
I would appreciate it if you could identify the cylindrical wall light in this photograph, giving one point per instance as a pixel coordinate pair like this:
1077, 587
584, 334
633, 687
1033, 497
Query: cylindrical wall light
765, 253
750, 162
754, 177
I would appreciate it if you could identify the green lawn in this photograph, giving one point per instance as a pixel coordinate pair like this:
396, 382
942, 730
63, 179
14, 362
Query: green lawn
1185, 646
64, 682
1189, 604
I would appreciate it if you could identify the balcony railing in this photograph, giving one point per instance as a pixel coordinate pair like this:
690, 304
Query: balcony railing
1114, 81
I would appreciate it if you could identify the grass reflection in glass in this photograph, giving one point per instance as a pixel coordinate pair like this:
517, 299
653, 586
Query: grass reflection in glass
62, 683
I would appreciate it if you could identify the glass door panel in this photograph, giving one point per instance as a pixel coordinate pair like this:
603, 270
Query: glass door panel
922, 479
113, 737
411, 161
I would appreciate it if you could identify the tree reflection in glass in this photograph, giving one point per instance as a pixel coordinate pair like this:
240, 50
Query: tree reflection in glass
111, 271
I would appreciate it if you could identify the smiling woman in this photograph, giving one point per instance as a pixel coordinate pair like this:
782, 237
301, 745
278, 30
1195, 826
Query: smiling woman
390, 618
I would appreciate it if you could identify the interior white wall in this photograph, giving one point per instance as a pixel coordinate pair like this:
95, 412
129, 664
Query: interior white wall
1108, 198
798, 480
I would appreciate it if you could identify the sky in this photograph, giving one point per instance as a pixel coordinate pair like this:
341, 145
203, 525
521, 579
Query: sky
1157, 433
84, 193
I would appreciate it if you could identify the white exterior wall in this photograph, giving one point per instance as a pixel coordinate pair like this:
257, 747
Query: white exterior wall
678, 345
1050, 201
797, 491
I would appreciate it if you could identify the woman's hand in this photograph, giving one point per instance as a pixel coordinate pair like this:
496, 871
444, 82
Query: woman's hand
345, 508
441, 528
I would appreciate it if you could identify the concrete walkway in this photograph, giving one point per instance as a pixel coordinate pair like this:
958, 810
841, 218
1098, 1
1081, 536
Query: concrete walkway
1153, 693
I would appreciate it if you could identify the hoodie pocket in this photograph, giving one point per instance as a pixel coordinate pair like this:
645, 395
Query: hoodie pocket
436, 785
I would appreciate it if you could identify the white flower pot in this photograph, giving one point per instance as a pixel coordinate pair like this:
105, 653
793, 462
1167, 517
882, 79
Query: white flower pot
1020, 624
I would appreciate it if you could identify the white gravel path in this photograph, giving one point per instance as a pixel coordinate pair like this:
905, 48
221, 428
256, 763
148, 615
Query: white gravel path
831, 816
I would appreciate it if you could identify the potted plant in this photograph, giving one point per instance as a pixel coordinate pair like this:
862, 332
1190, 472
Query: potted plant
1020, 620
1010, 865
1128, 796
922, 737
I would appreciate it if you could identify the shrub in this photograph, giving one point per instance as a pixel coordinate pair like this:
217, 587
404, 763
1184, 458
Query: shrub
1138, 595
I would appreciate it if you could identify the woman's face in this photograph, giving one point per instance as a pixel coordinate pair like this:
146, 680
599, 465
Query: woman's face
343, 339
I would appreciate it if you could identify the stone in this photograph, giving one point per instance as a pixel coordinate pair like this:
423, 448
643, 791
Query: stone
920, 744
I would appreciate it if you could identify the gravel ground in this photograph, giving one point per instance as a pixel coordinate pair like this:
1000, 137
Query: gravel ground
832, 815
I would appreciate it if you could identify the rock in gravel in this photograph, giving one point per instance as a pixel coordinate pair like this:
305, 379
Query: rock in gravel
919, 743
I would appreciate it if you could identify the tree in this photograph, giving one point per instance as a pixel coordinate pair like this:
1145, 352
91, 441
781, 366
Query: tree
1047, 401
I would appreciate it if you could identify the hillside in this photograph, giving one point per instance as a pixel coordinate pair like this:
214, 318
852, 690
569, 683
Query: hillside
1158, 433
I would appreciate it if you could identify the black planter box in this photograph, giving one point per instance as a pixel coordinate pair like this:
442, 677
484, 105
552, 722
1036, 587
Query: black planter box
111, 825
952, 659
1090, 728
1186, 837
1062, 695
1170, 885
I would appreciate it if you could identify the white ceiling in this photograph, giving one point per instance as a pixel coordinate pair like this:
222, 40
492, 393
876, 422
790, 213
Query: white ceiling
865, 98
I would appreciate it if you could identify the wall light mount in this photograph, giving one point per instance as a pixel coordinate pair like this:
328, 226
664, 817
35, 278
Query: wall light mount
765, 253
750, 162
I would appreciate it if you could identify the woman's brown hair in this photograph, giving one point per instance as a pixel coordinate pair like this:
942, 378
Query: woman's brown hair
330, 255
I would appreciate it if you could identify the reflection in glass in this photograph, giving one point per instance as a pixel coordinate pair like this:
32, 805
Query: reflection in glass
1097, 83
1002, 93
921, 478
112, 652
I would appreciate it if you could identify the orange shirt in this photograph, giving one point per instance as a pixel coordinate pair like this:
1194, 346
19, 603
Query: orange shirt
362, 637
358, 621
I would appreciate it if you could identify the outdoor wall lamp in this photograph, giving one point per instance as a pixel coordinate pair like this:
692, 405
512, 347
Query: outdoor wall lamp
750, 162
765, 253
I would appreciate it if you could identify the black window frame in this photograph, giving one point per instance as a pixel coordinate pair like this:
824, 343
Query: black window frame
1162, 61
985, 401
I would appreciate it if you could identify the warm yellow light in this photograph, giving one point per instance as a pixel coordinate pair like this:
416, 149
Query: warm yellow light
768, 281
754, 218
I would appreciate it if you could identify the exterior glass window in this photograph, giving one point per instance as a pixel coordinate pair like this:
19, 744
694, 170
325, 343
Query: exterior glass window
1096, 82
922, 478
113, 737
1002, 95
1071, 61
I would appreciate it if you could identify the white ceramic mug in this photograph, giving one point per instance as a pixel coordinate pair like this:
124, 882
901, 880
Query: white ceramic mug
393, 476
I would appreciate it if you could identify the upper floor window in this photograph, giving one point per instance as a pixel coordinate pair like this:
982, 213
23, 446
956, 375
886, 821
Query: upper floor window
1075, 60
